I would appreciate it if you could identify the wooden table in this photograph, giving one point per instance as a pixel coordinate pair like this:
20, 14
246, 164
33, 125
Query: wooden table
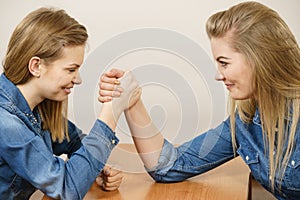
228, 181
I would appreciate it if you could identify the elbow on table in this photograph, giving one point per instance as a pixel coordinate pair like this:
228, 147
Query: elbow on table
166, 178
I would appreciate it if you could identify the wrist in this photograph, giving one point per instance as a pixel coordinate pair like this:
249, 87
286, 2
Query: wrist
108, 116
136, 107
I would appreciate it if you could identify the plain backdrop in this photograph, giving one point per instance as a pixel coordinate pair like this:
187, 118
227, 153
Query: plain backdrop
163, 42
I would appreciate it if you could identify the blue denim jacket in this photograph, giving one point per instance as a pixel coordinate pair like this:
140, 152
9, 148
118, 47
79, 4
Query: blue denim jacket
214, 148
29, 159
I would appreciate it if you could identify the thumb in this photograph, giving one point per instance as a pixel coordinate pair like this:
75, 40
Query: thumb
106, 172
115, 73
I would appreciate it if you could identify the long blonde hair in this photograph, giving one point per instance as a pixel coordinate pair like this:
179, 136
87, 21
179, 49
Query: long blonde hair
271, 49
43, 33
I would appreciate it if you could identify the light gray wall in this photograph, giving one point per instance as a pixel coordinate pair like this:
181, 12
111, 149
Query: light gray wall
163, 42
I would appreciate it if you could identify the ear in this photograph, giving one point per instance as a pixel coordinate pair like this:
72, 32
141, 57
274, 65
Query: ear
34, 66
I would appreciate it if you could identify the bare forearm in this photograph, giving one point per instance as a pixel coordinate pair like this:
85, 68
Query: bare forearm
148, 140
107, 116
111, 110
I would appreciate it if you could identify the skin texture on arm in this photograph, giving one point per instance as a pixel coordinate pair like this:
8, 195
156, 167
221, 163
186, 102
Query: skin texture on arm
148, 140
110, 179
111, 110
107, 116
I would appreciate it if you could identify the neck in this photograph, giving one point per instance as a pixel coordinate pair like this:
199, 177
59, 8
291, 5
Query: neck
30, 94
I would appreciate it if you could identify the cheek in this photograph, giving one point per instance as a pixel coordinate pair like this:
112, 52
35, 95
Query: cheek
248, 83
234, 75
244, 74
249, 77
62, 80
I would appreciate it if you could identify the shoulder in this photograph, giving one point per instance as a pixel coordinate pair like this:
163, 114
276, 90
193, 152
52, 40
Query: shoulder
12, 128
8, 118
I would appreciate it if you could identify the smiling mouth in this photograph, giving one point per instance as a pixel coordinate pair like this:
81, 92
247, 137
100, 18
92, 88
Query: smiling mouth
67, 90
229, 86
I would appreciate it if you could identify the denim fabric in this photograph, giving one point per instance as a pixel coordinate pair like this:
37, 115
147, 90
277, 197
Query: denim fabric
214, 148
29, 159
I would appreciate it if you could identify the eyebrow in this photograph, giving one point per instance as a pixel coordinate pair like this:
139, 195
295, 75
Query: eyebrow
74, 64
222, 57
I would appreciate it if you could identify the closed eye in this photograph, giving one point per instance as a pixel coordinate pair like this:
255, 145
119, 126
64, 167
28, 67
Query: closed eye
73, 68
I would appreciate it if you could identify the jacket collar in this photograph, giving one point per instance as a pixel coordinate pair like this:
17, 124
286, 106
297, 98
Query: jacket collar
10, 94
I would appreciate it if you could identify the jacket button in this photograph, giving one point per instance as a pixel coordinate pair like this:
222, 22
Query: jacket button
293, 162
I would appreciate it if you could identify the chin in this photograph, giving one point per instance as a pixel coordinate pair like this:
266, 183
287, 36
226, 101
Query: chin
60, 98
239, 97
66, 98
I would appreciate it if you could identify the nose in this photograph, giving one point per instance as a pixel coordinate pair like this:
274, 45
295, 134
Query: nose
219, 76
77, 79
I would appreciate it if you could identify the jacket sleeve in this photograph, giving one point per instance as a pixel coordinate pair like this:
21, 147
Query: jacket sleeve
71, 145
194, 157
29, 156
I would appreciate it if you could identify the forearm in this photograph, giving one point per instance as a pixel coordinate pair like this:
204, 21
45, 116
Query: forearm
148, 140
111, 110
108, 116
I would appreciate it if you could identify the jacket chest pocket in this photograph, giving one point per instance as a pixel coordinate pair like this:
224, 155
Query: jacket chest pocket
251, 158
292, 173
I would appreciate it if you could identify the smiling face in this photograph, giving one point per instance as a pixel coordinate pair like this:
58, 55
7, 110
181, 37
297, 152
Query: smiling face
58, 77
233, 70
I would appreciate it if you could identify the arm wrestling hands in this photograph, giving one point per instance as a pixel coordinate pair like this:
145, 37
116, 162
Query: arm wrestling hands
110, 179
147, 138
111, 85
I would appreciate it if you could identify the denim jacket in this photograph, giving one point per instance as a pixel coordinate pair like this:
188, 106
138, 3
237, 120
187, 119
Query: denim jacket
214, 148
29, 159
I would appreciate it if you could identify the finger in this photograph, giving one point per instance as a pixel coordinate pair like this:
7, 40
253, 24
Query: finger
99, 181
115, 73
112, 172
111, 175
104, 99
107, 186
106, 170
107, 79
109, 189
109, 86
111, 186
107, 93
111, 180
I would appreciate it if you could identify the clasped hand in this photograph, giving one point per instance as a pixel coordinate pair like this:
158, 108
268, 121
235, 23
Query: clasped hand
119, 87
121, 90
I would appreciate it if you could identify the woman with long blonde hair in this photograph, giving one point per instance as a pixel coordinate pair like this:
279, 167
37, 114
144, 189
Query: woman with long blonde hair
42, 63
258, 60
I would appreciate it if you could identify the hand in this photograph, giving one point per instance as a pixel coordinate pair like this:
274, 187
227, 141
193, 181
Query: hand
109, 85
120, 86
109, 179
